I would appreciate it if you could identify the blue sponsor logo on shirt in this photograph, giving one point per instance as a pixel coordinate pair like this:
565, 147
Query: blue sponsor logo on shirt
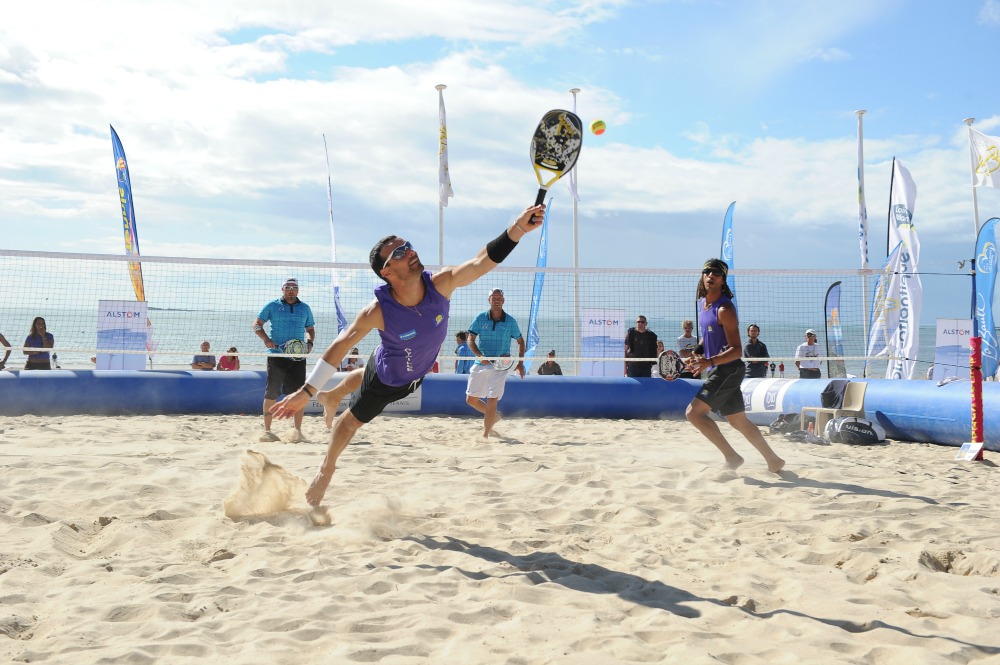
408, 335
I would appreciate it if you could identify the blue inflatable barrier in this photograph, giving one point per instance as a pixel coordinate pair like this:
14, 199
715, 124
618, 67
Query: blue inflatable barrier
908, 410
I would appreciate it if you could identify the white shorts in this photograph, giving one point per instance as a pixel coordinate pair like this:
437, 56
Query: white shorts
486, 381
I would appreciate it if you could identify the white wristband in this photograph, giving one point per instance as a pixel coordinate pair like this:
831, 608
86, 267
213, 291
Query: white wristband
321, 374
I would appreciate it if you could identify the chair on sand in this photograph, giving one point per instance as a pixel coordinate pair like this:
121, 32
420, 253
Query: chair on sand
853, 405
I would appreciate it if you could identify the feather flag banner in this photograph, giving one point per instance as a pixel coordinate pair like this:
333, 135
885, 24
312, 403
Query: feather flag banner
128, 216
536, 295
726, 252
986, 277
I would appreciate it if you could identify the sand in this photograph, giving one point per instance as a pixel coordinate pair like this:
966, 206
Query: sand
565, 541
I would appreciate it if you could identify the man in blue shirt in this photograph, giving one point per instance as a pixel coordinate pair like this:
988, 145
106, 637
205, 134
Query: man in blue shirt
290, 319
464, 363
489, 337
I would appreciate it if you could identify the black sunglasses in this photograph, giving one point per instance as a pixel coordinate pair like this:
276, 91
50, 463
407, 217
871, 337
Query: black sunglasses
713, 271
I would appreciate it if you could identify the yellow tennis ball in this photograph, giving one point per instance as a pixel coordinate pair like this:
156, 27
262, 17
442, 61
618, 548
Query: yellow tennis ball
598, 127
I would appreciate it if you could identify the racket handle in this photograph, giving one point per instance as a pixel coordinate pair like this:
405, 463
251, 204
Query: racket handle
540, 199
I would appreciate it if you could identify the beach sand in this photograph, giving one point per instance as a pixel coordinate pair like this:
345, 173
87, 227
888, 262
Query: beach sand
565, 541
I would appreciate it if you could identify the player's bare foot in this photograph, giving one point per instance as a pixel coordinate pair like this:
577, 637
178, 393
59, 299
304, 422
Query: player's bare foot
296, 436
733, 463
776, 465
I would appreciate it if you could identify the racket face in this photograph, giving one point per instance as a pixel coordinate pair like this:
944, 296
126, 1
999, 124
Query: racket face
295, 347
556, 143
670, 364
504, 364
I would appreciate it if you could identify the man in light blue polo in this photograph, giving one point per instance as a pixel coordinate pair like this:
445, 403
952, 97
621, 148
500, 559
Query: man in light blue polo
489, 337
290, 319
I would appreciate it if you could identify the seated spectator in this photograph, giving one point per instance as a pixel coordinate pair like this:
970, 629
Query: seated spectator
229, 363
6, 352
38, 338
550, 367
352, 361
204, 360
656, 368
465, 355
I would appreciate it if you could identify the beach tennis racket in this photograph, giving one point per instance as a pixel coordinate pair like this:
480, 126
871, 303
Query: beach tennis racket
295, 347
670, 364
555, 148
504, 363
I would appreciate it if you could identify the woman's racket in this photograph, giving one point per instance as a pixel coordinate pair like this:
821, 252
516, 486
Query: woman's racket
555, 147
670, 364
504, 363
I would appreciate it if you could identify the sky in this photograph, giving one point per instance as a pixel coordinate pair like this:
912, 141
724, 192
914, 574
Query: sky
222, 108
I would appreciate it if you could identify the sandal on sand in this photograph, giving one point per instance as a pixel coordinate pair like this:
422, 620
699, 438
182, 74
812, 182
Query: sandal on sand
268, 436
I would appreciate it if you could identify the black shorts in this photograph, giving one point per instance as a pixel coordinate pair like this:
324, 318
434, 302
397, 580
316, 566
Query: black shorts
721, 389
284, 376
810, 373
38, 364
756, 370
373, 396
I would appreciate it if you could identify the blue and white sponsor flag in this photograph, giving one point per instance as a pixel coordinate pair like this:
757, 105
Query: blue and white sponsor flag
905, 287
834, 333
986, 277
536, 294
885, 311
726, 253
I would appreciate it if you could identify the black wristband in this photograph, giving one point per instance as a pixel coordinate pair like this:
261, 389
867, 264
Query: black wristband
305, 389
500, 247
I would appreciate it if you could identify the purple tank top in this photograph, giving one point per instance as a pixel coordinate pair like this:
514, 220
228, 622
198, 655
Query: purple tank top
412, 336
713, 337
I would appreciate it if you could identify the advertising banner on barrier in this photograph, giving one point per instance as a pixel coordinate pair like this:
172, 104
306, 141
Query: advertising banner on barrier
121, 326
602, 335
951, 349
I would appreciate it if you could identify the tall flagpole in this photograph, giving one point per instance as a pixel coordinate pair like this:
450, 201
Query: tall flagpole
975, 198
863, 223
443, 175
576, 257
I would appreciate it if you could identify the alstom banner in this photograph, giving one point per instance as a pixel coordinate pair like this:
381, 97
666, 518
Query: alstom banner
602, 336
121, 334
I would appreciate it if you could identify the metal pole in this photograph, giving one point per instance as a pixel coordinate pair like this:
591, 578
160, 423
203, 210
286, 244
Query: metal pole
576, 258
975, 199
863, 222
440, 87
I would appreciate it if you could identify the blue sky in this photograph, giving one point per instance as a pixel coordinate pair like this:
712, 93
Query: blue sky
221, 108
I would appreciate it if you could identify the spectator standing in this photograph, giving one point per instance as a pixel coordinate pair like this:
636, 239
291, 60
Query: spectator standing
808, 368
686, 344
640, 342
754, 348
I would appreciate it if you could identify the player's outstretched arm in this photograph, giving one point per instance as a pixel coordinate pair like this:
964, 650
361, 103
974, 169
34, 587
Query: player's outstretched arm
367, 319
489, 257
